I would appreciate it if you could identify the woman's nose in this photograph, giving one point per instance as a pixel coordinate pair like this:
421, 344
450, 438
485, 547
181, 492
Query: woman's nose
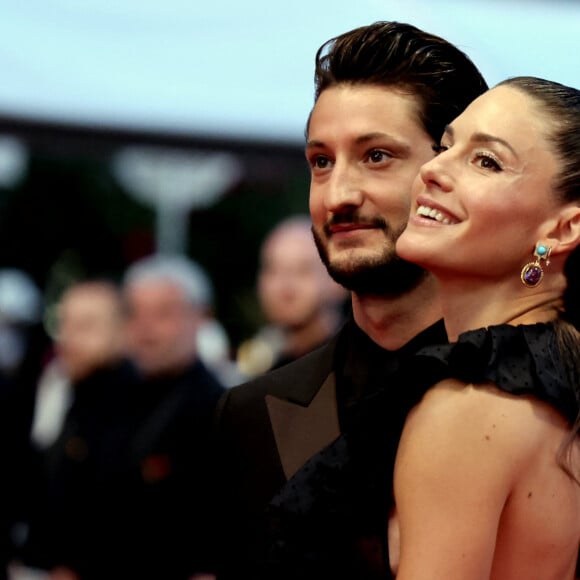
435, 173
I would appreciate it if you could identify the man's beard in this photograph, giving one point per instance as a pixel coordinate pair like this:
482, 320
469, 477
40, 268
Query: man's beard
383, 275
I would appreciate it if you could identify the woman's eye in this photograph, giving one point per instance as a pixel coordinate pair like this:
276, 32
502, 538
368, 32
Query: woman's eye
487, 161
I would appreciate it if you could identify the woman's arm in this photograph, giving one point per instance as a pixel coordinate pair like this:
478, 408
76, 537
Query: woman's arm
460, 454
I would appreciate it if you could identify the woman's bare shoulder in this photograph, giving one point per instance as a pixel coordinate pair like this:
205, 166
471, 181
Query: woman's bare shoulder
467, 452
465, 405
456, 418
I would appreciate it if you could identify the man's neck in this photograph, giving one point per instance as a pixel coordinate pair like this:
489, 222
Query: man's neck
390, 321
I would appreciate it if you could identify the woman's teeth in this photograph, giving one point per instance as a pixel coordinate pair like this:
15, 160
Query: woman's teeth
429, 212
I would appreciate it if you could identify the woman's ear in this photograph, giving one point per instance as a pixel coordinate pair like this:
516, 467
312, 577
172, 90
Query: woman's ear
565, 235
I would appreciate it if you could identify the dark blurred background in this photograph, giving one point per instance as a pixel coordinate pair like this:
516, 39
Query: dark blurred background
69, 216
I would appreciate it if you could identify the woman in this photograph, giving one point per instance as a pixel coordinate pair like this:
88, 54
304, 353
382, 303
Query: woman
486, 471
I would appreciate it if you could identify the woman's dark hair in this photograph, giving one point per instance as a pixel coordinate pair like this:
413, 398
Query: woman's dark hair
560, 105
568, 342
398, 55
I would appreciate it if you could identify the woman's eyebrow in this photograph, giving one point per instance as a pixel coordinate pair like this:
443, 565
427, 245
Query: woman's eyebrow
486, 138
483, 138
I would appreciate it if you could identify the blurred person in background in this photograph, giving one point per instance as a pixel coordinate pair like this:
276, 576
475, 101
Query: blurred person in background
127, 481
23, 345
88, 334
167, 299
90, 329
82, 463
164, 339
302, 305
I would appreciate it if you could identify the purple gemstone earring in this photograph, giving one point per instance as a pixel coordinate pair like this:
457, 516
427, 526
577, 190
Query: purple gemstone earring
532, 273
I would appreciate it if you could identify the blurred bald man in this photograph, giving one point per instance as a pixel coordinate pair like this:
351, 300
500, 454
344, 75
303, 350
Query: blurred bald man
167, 298
302, 305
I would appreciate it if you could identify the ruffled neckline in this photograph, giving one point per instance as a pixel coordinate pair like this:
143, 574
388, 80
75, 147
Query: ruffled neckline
521, 360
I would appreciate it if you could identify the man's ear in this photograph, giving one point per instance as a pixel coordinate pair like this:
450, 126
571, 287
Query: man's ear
565, 234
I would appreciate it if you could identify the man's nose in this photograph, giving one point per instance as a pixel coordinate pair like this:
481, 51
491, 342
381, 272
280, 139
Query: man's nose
345, 188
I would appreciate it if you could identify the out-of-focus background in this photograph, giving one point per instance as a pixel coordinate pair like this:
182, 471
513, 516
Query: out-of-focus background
132, 126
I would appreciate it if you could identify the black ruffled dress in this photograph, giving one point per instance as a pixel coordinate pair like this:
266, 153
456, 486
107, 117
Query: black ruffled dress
330, 519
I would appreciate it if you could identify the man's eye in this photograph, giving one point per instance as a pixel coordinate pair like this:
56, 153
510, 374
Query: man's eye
320, 162
439, 148
378, 155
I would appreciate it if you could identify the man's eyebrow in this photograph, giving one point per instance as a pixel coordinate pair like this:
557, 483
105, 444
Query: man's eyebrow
483, 138
314, 143
361, 139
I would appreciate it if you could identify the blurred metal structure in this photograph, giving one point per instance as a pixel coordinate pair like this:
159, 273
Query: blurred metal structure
174, 182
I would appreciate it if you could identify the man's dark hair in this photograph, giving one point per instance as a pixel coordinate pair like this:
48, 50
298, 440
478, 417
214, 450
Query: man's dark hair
401, 56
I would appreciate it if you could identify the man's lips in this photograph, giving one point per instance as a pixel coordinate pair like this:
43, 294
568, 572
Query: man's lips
350, 227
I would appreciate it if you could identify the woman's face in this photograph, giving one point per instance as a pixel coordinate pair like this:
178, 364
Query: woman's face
481, 205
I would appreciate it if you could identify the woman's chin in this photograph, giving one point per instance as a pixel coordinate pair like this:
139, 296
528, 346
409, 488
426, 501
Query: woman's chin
410, 248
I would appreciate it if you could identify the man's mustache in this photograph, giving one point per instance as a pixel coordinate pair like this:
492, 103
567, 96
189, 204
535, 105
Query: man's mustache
354, 218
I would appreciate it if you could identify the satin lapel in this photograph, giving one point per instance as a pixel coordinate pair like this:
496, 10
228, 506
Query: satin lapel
300, 431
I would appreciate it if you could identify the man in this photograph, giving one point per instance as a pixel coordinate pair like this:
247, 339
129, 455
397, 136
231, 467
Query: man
90, 332
167, 298
300, 302
89, 337
81, 460
384, 94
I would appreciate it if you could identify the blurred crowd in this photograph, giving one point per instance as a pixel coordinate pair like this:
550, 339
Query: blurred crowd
108, 399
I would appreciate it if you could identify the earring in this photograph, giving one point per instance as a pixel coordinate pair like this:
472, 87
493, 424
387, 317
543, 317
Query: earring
532, 273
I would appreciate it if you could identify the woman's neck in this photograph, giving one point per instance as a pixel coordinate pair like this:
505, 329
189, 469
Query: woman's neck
479, 303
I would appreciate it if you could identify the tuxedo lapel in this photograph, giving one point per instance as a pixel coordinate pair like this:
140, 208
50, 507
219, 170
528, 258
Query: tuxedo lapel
301, 431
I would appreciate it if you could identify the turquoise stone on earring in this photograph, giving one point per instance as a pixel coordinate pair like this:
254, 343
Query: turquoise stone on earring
541, 250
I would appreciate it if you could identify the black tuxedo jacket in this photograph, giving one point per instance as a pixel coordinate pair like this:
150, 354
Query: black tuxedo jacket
266, 430
270, 426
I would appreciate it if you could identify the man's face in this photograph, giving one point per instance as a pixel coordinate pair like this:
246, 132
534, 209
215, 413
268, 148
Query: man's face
365, 147
293, 285
89, 333
161, 327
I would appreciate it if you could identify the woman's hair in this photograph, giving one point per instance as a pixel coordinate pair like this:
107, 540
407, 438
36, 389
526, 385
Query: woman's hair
561, 108
392, 54
568, 341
